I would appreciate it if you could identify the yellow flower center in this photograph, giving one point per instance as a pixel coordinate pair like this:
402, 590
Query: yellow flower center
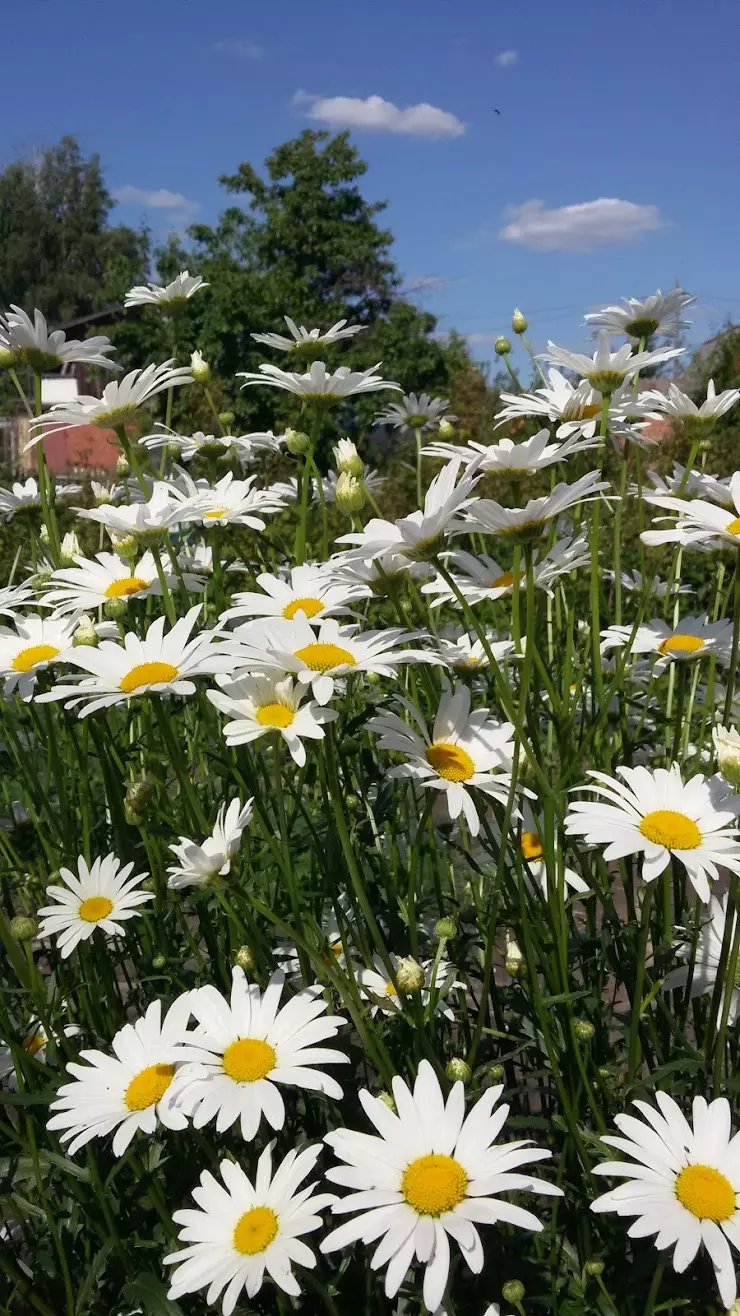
148, 674
450, 761
390, 990
121, 589
434, 1184
706, 1193
673, 830
680, 644
149, 1086
214, 513
504, 581
275, 715
31, 657
255, 1231
734, 527
95, 908
248, 1059
531, 845
311, 607
34, 1042
589, 410
322, 657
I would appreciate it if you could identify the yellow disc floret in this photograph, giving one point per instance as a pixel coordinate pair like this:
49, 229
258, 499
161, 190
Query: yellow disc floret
121, 589
450, 761
706, 1193
674, 830
434, 1184
95, 908
275, 715
248, 1059
255, 1231
311, 607
149, 1086
681, 644
323, 657
29, 658
148, 674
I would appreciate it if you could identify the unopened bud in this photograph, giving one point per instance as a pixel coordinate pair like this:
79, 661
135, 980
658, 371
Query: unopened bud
23, 927
8, 358
226, 418
350, 493
519, 322
496, 1073
200, 368
114, 609
297, 442
159, 962
125, 545
409, 974
347, 458
727, 749
244, 959
138, 798
172, 450
513, 1291
122, 465
445, 928
514, 958
595, 1267
502, 346
70, 549
387, 1100
44, 533
446, 429
86, 635
584, 1030
458, 1070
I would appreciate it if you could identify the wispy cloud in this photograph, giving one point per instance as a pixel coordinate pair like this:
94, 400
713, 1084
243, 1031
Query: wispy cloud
506, 58
426, 282
374, 113
160, 198
583, 227
240, 48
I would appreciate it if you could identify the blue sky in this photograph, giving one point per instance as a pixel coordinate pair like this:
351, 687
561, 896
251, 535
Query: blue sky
637, 104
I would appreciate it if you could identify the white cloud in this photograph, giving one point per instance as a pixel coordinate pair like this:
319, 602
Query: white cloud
375, 113
506, 58
159, 198
426, 282
582, 227
240, 49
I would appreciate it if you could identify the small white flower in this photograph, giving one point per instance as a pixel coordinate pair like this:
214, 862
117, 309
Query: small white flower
200, 864
651, 586
231, 502
607, 370
659, 313
318, 383
508, 458
690, 638
26, 497
176, 293
106, 493
245, 1229
708, 960
377, 986
307, 340
416, 413
120, 401
164, 509
576, 408
32, 343
33, 645
699, 524
431, 1174
102, 895
679, 406
244, 446
464, 750
695, 484
260, 705
379, 575
131, 1089
13, 598
309, 590
683, 1183
422, 533
254, 1047
93, 583
483, 578
492, 518
467, 653
34, 1044
655, 814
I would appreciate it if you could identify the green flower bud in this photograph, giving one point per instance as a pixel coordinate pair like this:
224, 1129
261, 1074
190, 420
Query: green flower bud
86, 635
496, 1073
502, 346
347, 459
244, 959
513, 1291
584, 1030
122, 465
200, 368
409, 974
595, 1267
446, 429
8, 358
445, 928
41, 579
159, 962
519, 322
125, 545
139, 796
458, 1070
226, 418
387, 1100
172, 450
350, 493
297, 442
727, 750
114, 609
23, 927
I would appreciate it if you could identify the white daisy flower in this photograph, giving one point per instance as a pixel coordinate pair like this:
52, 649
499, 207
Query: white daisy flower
106, 493
261, 705
30, 647
308, 340
243, 1230
159, 664
244, 446
422, 533
132, 1089
695, 484
577, 409
691, 637
655, 814
482, 578
415, 413
659, 313
309, 590
147, 520
378, 988
679, 406
683, 1183
93, 583
101, 896
652, 586
464, 750
708, 960
508, 458
466, 653
200, 864
431, 1174
700, 523
319, 659
231, 502
254, 1048
32, 343
380, 575
533, 856
607, 370
318, 383
34, 1044
198, 559
25, 497
176, 293
492, 518
120, 401
286, 953
13, 598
